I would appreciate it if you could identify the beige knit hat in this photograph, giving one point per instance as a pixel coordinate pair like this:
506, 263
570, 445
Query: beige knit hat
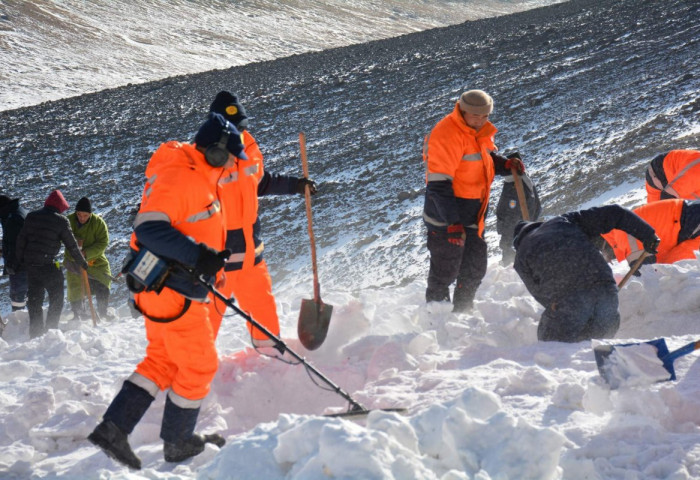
476, 102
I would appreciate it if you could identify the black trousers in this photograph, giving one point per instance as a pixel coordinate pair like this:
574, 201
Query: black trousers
44, 279
450, 262
101, 293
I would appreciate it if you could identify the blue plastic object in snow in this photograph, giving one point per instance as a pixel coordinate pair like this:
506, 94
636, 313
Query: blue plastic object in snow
602, 354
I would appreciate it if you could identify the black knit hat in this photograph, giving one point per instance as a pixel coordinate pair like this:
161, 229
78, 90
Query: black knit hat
227, 104
83, 205
4, 200
210, 133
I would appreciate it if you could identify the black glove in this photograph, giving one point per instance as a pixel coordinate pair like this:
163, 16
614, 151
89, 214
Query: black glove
651, 245
210, 261
302, 183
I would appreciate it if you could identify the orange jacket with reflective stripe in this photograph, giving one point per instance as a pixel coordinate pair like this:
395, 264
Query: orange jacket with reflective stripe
456, 152
182, 189
682, 171
240, 195
665, 217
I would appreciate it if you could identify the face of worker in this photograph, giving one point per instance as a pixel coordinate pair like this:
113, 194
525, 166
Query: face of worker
475, 121
83, 216
231, 161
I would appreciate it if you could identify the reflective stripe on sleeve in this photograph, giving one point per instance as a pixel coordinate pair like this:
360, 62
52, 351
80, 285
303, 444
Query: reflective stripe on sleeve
212, 209
669, 188
635, 252
239, 257
150, 217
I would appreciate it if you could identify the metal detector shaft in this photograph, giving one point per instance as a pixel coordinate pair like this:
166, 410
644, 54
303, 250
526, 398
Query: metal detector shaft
282, 347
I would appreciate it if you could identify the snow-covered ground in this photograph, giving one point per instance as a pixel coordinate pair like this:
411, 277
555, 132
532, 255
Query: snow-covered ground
484, 399
60, 48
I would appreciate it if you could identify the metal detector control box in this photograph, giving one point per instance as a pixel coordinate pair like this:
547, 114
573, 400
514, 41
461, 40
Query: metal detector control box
149, 270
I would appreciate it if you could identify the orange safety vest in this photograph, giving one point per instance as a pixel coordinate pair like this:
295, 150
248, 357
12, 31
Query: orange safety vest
682, 170
240, 195
456, 152
665, 217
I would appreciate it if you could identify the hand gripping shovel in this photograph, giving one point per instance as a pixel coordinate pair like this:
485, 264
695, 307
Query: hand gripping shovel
314, 315
634, 268
632, 363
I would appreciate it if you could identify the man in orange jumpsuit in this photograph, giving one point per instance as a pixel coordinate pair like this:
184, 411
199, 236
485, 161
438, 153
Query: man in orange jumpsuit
675, 174
180, 221
676, 222
461, 161
247, 277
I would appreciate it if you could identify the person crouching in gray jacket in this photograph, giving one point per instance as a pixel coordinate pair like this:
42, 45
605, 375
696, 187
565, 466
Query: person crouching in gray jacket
566, 273
38, 245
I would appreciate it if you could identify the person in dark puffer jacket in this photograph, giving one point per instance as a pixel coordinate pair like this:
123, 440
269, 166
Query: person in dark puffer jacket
566, 273
38, 245
12, 218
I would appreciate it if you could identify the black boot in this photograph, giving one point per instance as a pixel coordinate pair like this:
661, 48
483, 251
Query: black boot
78, 311
102, 300
464, 297
193, 446
113, 441
125, 411
177, 431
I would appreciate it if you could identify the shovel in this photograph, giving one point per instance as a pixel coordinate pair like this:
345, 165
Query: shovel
521, 194
634, 268
88, 294
616, 366
314, 315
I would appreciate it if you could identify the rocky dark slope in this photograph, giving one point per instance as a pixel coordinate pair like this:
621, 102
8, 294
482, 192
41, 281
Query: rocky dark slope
588, 91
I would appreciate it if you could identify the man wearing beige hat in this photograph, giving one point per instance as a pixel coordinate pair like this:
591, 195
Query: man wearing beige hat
461, 161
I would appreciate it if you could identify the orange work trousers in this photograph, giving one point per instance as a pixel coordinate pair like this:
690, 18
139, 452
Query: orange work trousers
181, 354
252, 289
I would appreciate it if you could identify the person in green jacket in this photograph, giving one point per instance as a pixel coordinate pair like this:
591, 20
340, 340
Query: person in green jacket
93, 237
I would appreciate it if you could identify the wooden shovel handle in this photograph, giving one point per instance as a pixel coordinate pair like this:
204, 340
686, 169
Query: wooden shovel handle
634, 268
521, 194
86, 286
307, 196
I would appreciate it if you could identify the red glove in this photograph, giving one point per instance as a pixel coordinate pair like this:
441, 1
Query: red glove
516, 163
456, 235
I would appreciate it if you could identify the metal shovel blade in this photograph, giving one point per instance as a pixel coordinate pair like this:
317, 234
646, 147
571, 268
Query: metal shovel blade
314, 319
617, 367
